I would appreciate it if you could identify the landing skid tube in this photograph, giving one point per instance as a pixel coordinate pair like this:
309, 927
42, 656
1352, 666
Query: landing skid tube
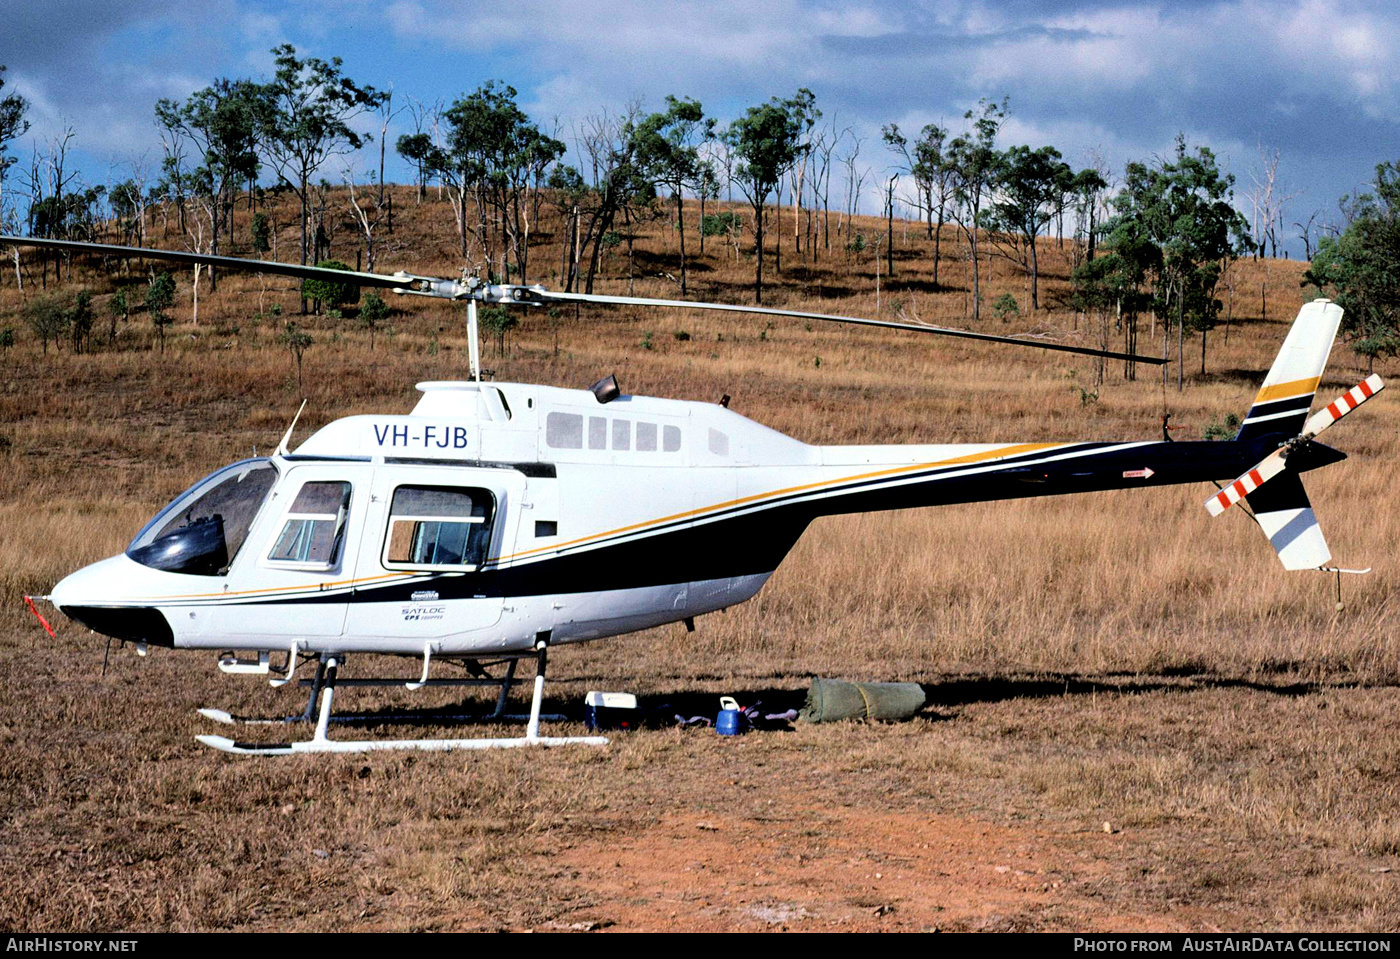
320, 743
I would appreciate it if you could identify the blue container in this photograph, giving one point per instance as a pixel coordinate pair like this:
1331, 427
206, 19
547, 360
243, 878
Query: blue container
731, 722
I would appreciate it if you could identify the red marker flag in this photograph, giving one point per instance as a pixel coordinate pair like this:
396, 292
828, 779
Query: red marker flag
42, 621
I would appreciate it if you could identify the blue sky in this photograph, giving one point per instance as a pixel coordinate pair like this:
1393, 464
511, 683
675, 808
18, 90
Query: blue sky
1317, 80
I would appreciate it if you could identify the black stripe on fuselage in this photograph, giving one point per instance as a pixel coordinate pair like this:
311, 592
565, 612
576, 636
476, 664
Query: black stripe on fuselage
752, 540
531, 470
840, 488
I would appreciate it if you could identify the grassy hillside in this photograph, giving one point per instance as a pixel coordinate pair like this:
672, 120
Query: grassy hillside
1139, 720
96, 441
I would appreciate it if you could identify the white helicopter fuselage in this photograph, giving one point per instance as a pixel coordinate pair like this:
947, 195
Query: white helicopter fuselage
495, 514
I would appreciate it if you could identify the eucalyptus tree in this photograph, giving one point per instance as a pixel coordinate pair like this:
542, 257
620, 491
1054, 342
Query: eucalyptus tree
618, 186
510, 154
222, 122
13, 125
803, 107
667, 151
1030, 189
128, 202
976, 166
495, 154
305, 120
765, 142
1176, 227
926, 160
46, 316
417, 148
160, 296
1087, 189
823, 149
414, 146
1359, 267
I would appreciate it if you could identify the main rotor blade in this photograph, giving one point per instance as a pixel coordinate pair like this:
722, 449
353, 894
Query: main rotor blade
401, 281
457, 289
537, 295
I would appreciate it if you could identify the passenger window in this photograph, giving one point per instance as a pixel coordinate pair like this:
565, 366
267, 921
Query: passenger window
719, 443
433, 527
315, 525
646, 437
622, 434
670, 439
597, 433
564, 431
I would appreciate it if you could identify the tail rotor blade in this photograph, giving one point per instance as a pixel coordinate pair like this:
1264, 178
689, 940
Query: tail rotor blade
1267, 468
1342, 405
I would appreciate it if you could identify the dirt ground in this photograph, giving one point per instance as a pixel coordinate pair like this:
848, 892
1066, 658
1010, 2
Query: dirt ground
808, 867
1167, 802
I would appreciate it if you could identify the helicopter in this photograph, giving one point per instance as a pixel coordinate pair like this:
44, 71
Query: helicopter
497, 520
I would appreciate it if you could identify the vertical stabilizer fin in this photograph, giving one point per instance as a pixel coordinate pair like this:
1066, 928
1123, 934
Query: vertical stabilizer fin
1282, 403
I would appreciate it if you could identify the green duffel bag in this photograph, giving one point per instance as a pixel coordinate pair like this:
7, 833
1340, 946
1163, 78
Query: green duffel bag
830, 700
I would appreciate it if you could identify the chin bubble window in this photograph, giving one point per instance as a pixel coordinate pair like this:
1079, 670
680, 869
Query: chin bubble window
434, 527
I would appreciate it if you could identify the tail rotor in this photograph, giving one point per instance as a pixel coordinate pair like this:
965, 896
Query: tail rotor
1282, 507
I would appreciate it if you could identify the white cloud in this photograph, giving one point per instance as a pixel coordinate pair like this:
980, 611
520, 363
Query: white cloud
1123, 77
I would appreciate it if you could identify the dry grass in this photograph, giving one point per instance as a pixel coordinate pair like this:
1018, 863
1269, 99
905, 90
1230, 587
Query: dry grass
1116, 658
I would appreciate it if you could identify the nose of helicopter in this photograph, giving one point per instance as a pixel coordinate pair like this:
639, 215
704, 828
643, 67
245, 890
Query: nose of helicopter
91, 585
99, 597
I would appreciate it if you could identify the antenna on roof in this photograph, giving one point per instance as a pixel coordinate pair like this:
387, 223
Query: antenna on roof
287, 436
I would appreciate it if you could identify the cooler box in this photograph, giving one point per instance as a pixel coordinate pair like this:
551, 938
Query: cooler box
610, 711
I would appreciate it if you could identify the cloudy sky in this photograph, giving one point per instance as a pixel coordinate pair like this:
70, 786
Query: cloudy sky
1318, 80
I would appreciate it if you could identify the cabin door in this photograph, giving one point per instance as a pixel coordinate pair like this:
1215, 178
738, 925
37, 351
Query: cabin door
292, 576
432, 539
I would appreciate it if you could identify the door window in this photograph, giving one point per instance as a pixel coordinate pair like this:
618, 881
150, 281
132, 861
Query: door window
435, 527
314, 530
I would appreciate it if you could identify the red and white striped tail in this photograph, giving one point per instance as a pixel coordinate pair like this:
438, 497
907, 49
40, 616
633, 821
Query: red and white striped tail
1267, 468
1343, 405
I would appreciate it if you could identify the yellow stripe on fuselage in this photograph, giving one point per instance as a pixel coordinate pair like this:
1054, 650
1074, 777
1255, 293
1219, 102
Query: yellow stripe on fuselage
1000, 453
1280, 391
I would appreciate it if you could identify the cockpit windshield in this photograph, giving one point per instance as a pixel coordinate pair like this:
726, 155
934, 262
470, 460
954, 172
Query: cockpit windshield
203, 529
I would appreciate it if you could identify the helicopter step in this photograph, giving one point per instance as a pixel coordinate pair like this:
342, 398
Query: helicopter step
325, 683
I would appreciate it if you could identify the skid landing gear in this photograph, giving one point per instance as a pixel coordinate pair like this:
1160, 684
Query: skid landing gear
324, 684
